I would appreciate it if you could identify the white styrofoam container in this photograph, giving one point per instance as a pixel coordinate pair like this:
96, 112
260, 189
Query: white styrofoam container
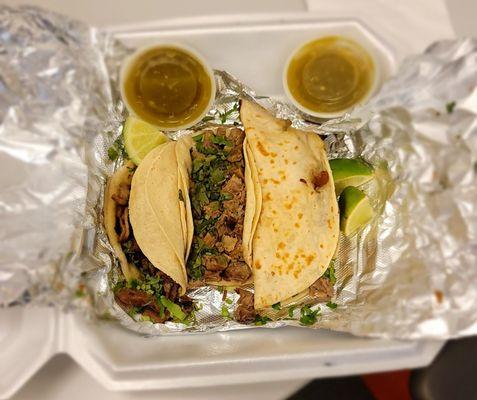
254, 50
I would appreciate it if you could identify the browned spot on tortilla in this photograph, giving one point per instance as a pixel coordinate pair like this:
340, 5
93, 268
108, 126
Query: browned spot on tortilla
262, 149
330, 225
320, 179
296, 273
277, 255
309, 259
275, 181
321, 245
273, 273
265, 181
272, 161
275, 230
267, 197
286, 255
303, 181
294, 162
258, 265
281, 245
274, 212
439, 296
296, 147
297, 225
286, 162
273, 154
300, 215
288, 206
332, 209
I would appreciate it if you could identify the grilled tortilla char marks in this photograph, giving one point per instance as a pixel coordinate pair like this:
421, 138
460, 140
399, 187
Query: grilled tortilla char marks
217, 192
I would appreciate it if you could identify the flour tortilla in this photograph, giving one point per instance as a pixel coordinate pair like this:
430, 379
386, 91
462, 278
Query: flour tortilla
297, 227
157, 215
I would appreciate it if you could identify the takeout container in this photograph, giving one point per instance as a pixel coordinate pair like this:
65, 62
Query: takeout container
123, 360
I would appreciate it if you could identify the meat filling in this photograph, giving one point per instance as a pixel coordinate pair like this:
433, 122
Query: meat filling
321, 289
244, 313
217, 192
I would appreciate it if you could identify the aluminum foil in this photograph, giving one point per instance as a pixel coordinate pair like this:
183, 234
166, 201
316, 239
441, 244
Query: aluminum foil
411, 273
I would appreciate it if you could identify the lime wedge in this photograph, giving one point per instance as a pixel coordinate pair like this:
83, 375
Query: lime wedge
140, 138
355, 210
350, 172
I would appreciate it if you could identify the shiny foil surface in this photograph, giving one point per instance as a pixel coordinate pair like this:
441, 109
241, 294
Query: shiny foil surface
410, 273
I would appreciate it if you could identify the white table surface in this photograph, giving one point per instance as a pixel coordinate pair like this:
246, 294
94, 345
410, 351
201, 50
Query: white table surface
61, 378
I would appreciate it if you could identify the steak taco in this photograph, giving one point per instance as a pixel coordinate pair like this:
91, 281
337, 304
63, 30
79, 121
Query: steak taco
151, 259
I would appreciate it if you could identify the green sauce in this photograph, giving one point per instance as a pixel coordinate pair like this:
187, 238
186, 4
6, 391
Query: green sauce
167, 86
329, 75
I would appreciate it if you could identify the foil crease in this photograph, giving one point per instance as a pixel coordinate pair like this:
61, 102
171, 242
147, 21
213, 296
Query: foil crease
411, 273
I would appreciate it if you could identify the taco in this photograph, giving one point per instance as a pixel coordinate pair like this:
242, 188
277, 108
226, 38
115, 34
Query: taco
295, 224
151, 259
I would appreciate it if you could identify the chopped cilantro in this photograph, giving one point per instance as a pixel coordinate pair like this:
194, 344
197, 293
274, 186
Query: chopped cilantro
450, 107
229, 301
112, 153
331, 305
133, 283
117, 149
308, 316
277, 306
330, 272
261, 320
225, 312
134, 311
173, 308
291, 309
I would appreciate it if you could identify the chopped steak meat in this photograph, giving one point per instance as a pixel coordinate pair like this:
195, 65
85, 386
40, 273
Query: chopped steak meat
156, 316
124, 225
244, 312
121, 195
321, 289
237, 272
215, 263
217, 192
133, 298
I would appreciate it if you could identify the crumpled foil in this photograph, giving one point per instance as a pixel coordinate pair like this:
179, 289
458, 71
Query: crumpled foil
411, 273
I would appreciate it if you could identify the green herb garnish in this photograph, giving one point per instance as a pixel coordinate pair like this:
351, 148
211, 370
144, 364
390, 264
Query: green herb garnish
112, 153
450, 107
173, 308
277, 306
261, 320
331, 305
308, 316
225, 312
330, 272
229, 301
291, 309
